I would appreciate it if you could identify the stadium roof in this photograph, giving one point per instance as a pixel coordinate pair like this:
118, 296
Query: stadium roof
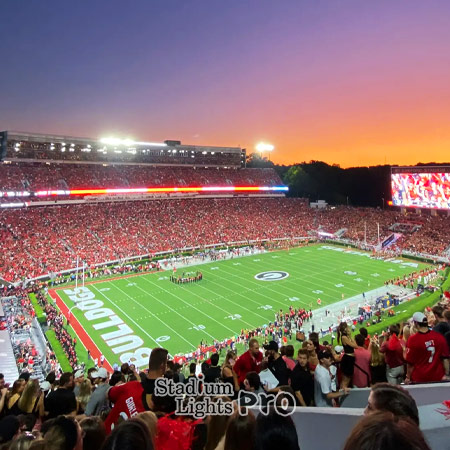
53, 138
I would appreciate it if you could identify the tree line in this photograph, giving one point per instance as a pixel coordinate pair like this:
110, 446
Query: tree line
317, 180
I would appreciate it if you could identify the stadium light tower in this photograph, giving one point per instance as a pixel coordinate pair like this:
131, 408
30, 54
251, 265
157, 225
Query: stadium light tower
264, 147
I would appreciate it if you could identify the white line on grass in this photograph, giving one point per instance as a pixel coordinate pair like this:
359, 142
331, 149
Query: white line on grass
201, 312
257, 284
242, 295
162, 321
304, 279
123, 312
227, 299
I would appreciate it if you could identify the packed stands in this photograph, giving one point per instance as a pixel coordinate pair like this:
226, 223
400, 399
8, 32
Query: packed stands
35, 177
37, 241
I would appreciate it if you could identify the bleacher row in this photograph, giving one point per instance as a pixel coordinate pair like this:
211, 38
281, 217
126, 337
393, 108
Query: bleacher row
35, 177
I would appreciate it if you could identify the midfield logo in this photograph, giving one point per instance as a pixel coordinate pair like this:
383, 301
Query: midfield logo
275, 275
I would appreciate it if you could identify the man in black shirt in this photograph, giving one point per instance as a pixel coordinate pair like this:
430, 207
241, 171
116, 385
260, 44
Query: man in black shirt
277, 365
192, 369
212, 374
302, 382
157, 366
62, 401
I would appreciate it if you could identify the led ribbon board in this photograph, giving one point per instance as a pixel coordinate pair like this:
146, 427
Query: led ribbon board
162, 190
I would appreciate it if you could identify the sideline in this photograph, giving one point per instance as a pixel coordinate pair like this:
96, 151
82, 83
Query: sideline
82, 336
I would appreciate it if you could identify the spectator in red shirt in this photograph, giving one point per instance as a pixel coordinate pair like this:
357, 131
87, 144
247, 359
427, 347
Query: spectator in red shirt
393, 349
361, 374
426, 354
135, 397
250, 361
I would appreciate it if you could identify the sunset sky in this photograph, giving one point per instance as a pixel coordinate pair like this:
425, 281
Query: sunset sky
350, 82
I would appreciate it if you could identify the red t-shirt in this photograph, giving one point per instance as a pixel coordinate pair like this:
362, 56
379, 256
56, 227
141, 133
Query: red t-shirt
127, 399
393, 351
425, 352
246, 363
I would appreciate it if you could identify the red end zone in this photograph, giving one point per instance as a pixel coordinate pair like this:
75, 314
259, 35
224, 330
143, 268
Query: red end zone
79, 330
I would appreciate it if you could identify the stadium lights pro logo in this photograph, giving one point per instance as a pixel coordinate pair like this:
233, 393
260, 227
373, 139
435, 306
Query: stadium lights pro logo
273, 275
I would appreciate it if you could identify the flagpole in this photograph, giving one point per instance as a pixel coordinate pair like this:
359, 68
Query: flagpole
83, 273
378, 224
365, 233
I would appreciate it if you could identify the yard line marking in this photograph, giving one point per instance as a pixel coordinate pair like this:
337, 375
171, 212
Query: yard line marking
122, 311
165, 324
247, 289
192, 306
316, 274
234, 303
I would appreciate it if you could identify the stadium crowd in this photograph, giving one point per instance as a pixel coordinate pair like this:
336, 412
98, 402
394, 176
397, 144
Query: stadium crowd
36, 241
125, 409
35, 177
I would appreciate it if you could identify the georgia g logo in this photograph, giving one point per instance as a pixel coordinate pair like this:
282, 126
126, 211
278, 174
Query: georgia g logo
273, 275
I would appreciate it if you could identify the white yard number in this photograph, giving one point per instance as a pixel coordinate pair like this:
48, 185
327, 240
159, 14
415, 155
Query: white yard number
265, 307
198, 327
233, 316
432, 349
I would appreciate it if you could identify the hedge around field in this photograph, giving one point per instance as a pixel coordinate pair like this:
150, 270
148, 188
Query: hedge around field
40, 315
58, 350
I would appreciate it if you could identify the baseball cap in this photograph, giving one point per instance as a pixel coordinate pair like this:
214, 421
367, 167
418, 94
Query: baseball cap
100, 373
324, 354
45, 385
419, 317
338, 348
79, 373
272, 345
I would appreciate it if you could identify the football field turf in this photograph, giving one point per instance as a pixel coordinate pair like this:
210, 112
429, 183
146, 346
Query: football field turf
125, 314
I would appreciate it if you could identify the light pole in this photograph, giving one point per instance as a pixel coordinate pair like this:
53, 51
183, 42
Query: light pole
264, 147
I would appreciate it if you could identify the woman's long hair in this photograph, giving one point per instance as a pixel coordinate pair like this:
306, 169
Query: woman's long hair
240, 433
85, 393
376, 357
28, 397
342, 331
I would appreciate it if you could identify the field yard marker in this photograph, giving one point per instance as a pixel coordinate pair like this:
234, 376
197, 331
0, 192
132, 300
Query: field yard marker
168, 326
192, 323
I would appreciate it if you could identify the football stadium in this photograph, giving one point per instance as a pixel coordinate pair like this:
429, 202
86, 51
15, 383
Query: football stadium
225, 225
112, 248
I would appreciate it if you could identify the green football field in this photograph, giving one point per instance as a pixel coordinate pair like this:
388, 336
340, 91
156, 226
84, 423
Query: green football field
125, 314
